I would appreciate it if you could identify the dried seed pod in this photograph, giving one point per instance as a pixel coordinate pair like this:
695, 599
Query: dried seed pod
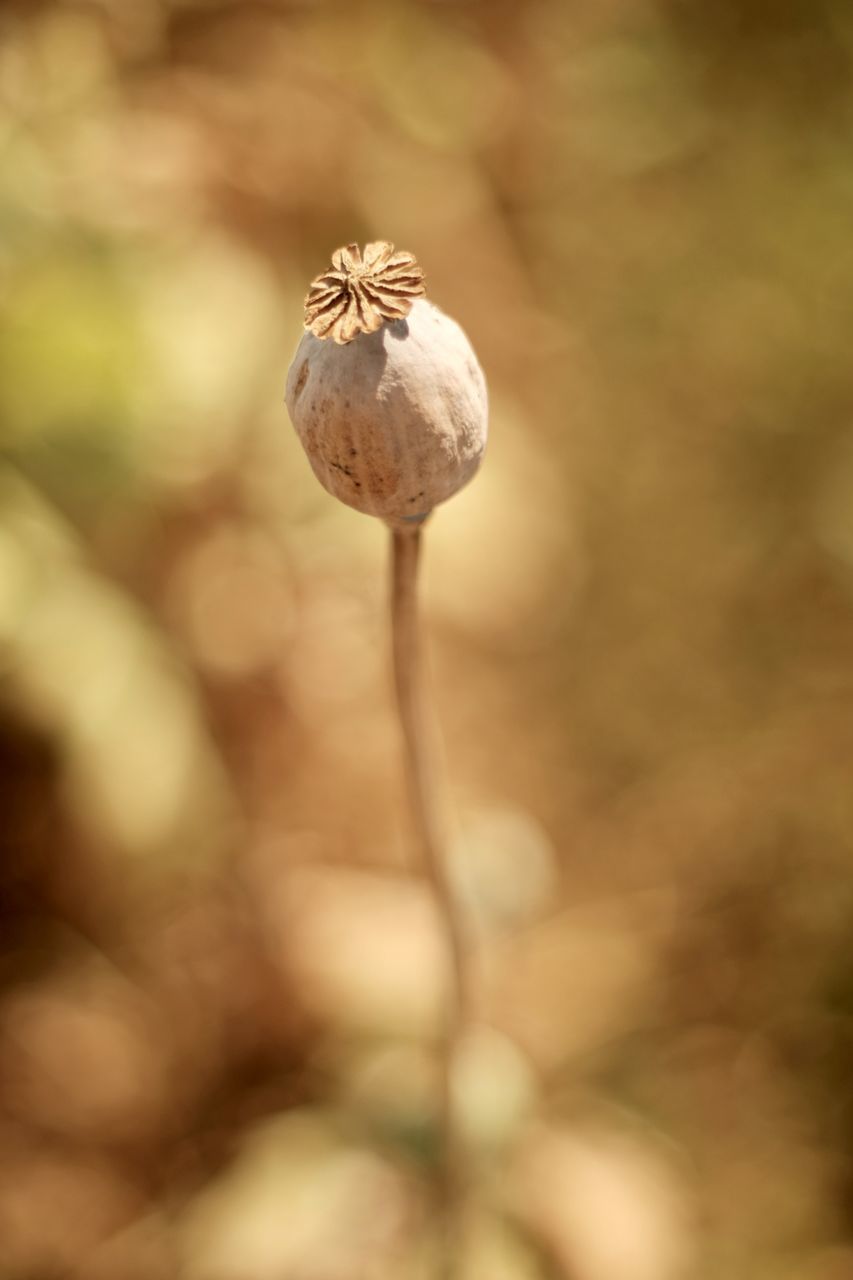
393, 417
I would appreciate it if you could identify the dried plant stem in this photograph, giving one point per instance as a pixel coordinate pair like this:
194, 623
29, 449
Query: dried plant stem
421, 776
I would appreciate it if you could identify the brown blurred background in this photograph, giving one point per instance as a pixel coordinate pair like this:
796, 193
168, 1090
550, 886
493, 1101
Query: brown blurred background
219, 983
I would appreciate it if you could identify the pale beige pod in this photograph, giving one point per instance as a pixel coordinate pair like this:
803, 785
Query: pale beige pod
392, 412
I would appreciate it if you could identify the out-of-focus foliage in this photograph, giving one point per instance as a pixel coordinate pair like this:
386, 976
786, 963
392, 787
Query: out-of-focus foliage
219, 984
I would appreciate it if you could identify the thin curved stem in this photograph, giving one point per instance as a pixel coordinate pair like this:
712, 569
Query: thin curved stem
424, 796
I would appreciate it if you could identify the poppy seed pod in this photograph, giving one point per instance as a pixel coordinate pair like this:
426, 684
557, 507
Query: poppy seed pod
392, 412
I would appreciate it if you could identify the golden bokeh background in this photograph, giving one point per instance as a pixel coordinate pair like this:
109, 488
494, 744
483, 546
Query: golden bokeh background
219, 979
